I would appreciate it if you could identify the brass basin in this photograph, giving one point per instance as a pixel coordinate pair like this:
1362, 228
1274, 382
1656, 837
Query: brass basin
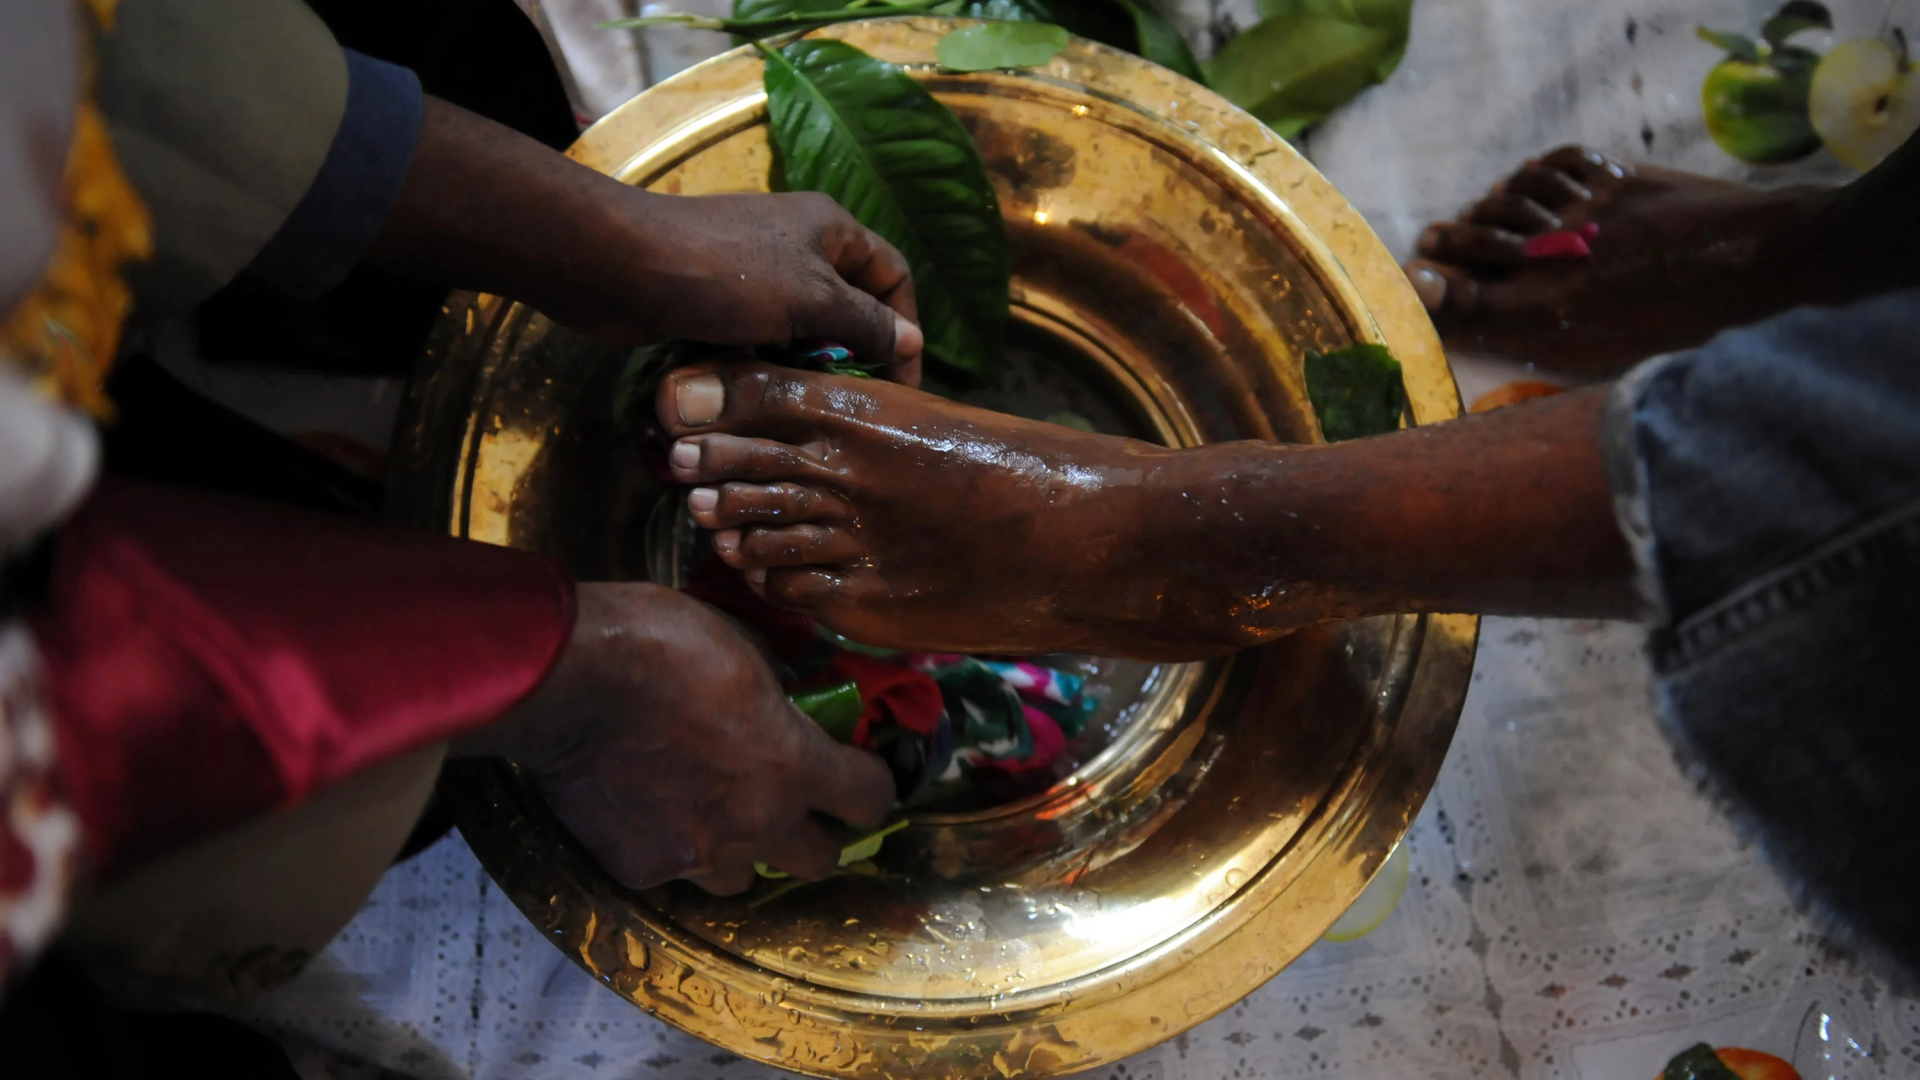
1175, 257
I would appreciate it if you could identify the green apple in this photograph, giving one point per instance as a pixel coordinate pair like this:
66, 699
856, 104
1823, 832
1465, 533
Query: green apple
1755, 100
1865, 100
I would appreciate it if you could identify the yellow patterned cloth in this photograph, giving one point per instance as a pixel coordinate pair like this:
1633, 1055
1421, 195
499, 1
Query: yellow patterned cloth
66, 333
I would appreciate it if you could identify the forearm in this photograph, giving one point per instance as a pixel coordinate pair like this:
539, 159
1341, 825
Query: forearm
487, 208
1504, 513
484, 207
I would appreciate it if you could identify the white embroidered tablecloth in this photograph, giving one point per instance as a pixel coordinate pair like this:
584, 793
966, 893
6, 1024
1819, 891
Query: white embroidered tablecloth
1576, 910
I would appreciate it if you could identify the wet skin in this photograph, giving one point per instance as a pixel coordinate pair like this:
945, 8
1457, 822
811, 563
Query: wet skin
904, 520
1677, 257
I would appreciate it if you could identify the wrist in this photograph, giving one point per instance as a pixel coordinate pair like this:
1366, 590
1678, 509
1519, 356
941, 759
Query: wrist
545, 727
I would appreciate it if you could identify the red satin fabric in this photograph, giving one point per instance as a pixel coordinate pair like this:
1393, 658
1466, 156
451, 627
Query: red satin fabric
209, 657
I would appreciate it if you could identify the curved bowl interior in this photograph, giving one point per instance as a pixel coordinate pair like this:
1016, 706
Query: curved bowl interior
1173, 261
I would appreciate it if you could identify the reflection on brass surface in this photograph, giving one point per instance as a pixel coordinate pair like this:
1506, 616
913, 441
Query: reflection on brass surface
1172, 251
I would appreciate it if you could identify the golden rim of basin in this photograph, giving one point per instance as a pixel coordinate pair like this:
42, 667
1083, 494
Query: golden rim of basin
1176, 257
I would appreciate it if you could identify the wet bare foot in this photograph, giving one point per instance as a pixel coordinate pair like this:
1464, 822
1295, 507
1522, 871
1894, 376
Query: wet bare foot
1675, 258
905, 520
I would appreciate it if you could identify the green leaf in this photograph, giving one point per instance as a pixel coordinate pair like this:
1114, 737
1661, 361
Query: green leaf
1393, 16
1793, 17
1104, 21
1356, 391
1293, 70
868, 846
863, 131
1161, 43
858, 849
1697, 1062
836, 709
769, 9
1737, 46
995, 45
1129, 25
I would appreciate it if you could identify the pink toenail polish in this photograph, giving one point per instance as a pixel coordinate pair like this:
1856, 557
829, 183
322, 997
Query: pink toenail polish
702, 500
699, 399
1565, 244
685, 455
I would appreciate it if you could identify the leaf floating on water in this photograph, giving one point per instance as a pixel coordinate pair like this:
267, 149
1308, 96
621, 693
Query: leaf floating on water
995, 45
1356, 391
865, 132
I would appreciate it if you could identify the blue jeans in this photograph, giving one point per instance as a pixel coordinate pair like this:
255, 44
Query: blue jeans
1769, 482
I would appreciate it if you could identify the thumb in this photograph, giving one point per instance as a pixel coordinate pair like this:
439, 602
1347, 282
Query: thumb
874, 332
850, 784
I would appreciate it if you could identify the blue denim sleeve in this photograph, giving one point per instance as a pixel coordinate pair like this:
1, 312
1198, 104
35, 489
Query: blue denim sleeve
336, 221
1770, 484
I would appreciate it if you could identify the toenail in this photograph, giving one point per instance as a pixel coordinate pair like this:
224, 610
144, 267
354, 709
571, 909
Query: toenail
1430, 286
726, 541
757, 576
702, 500
685, 455
699, 398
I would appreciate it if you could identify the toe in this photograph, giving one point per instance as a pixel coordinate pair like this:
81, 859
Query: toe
1512, 212
1452, 295
754, 399
803, 588
1589, 167
1472, 245
1428, 283
762, 547
707, 459
1546, 185
734, 504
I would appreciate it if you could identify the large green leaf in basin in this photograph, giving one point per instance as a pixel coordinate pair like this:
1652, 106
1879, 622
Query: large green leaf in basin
863, 131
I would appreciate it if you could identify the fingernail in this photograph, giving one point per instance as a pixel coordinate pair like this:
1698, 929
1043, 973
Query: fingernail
726, 541
907, 339
699, 398
685, 455
757, 576
1429, 285
702, 500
